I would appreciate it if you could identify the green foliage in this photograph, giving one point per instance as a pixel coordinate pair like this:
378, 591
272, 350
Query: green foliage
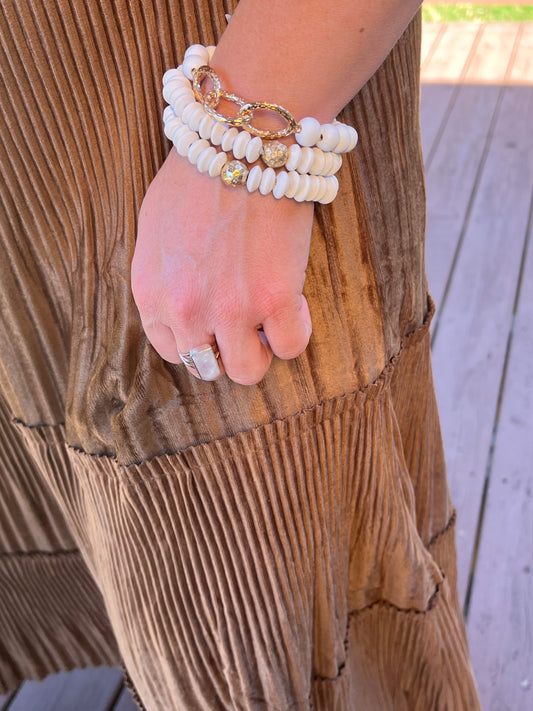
477, 13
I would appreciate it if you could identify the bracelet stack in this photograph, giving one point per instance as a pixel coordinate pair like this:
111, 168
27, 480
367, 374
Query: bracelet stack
226, 146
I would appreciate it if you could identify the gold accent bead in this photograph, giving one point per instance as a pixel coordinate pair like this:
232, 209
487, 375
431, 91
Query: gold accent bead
234, 173
275, 154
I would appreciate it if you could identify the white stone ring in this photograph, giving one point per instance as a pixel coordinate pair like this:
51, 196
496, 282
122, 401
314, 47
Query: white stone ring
204, 361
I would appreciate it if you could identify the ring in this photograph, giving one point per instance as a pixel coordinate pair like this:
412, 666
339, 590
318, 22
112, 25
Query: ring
205, 360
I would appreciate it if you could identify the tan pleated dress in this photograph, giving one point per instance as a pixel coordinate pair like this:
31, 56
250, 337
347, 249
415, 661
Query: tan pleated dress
282, 547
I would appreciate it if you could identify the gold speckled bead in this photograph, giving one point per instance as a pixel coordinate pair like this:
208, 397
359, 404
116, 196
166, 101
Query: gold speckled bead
275, 154
234, 173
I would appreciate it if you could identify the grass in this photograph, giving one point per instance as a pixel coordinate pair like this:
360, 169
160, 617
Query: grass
477, 13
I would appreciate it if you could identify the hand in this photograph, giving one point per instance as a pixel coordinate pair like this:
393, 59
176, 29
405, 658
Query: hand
218, 262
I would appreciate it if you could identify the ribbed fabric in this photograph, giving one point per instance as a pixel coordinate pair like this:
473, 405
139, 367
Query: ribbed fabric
287, 546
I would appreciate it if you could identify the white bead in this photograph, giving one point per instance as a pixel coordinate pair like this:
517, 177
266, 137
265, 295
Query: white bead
216, 165
294, 184
344, 140
168, 114
171, 126
241, 144
354, 139
328, 163
196, 116
178, 133
323, 189
169, 75
205, 158
310, 132
267, 181
306, 160
254, 179
330, 137
336, 162
317, 166
282, 183
303, 188
229, 138
185, 141
295, 153
181, 103
210, 52
206, 126
195, 149
331, 192
254, 149
314, 188
217, 133
192, 62
188, 111
196, 49
172, 93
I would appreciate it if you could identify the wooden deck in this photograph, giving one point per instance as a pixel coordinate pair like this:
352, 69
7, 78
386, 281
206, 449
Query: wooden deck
477, 124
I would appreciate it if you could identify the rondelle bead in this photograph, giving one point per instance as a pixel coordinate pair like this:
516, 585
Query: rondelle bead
197, 49
293, 159
228, 139
216, 165
323, 188
354, 139
234, 173
254, 149
196, 116
171, 126
240, 144
330, 137
185, 141
303, 188
267, 181
217, 133
183, 101
174, 93
205, 158
317, 166
169, 75
310, 132
168, 114
344, 140
206, 126
192, 62
178, 133
314, 188
282, 183
195, 149
254, 179
275, 154
331, 191
188, 111
306, 160
294, 184
336, 162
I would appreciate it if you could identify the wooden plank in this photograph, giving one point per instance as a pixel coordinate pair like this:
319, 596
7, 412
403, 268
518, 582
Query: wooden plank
472, 332
501, 619
126, 702
91, 689
451, 57
490, 63
431, 33
521, 71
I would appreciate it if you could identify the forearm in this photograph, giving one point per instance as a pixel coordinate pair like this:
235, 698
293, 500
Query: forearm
311, 56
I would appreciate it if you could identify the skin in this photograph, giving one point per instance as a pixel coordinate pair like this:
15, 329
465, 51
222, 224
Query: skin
211, 260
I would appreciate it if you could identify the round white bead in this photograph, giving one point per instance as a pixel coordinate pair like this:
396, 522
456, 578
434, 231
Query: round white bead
306, 160
216, 165
196, 148
254, 179
241, 144
185, 141
331, 191
206, 126
282, 183
267, 181
229, 139
254, 149
204, 159
344, 140
188, 111
197, 49
317, 166
294, 184
183, 101
314, 188
303, 188
310, 132
196, 117
217, 133
330, 137
295, 153
192, 62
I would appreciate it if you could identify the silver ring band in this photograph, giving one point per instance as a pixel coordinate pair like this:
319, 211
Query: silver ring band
204, 360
